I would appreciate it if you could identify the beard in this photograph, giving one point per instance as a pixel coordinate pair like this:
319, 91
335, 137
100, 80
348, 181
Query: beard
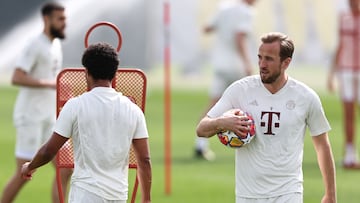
57, 33
271, 78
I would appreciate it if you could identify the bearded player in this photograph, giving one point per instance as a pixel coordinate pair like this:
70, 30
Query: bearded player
269, 169
35, 112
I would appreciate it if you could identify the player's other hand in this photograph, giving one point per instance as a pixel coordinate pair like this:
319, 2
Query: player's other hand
329, 199
25, 172
330, 84
49, 83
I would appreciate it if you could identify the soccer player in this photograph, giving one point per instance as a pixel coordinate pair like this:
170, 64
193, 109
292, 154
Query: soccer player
35, 107
269, 169
346, 65
103, 124
232, 24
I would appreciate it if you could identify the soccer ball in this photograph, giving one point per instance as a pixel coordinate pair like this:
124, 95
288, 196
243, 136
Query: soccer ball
230, 139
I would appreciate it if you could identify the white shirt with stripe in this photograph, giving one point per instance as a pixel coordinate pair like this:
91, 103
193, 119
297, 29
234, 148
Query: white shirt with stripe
349, 39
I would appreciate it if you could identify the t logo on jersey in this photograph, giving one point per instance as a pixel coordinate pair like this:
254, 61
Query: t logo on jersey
272, 121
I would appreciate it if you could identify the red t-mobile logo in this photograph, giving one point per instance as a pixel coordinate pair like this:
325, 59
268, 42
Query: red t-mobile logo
271, 117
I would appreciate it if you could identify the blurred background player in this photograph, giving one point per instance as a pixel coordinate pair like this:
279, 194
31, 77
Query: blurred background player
269, 169
232, 25
346, 64
35, 108
103, 124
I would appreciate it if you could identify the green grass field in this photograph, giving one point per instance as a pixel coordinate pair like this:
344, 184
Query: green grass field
192, 180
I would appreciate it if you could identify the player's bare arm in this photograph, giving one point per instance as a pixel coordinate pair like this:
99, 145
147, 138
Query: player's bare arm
142, 153
208, 127
241, 45
333, 69
22, 78
45, 154
327, 166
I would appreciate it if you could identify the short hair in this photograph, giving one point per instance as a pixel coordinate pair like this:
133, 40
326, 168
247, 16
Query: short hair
49, 7
286, 44
101, 61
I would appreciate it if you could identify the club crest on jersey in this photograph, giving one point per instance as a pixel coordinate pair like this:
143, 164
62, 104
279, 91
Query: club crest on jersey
290, 105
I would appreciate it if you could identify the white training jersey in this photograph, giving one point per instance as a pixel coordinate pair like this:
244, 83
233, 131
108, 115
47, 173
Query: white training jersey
41, 59
231, 19
102, 124
271, 165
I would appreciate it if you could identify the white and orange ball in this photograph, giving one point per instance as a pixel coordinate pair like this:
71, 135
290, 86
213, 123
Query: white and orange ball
232, 140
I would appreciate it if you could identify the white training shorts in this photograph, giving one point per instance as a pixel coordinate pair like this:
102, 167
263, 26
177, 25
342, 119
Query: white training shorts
292, 197
349, 85
30, 137
222, 80
79, 195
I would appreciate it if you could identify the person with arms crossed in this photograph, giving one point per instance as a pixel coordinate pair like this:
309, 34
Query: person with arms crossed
35, 107
346, 65
103, 124
269, 169
232, 24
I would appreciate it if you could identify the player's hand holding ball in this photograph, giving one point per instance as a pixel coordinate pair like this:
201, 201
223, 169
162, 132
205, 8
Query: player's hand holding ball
237, 128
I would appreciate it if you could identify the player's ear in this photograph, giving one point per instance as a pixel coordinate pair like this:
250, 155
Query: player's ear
286, 62
46, 19
86, 73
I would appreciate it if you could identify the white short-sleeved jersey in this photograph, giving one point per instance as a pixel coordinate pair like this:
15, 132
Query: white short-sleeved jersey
271, 165
231, 19
102, 124
41, 59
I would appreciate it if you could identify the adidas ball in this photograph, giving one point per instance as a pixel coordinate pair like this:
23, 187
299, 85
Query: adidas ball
230, 139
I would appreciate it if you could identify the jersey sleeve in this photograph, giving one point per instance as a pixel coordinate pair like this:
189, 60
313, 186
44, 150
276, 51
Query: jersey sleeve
316, 120
27, 57
215, 19
66, 120
225, 103
245, 22
141, 128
